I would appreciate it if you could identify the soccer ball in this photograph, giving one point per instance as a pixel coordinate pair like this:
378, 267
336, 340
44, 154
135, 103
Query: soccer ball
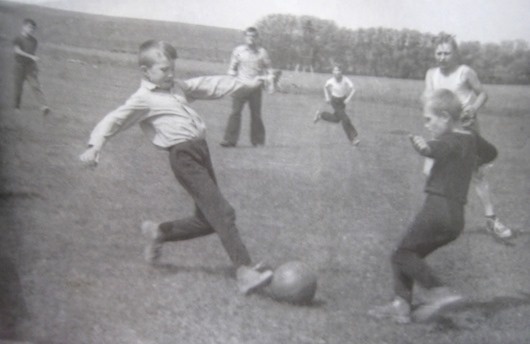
293, 282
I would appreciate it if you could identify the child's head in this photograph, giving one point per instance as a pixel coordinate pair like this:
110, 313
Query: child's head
29, 26
251, 36
157, 62
441, 110
446, 51
337, 72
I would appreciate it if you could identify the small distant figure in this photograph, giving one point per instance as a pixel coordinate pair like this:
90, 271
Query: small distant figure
162, 109
456, 153
247, 62
26, 68
338, 91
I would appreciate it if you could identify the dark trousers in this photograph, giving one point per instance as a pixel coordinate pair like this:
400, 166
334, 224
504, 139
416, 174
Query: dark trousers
257, 129
27, 72
192, 166
339, 115
439, 222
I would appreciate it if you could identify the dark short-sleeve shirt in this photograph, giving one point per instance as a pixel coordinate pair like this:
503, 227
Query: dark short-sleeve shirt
27, 44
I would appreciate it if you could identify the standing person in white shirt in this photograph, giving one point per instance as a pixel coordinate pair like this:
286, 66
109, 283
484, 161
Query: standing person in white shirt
463, 81
248, 61
338, 91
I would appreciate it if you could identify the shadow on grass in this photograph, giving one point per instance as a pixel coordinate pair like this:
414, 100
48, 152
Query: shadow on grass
226, 272
12, 304
287, 146
477, 312
517, 237
171, 269
315, 303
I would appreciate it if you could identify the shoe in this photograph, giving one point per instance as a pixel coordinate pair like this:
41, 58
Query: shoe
495, 226
153, 250
436, 301
45, 110
355, 142
398, 311
318, 116
227, 144
250, 279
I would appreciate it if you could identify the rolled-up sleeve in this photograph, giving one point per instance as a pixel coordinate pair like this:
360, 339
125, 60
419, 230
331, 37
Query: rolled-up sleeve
217, 86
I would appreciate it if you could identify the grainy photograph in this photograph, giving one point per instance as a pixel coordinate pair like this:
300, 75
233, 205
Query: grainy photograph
255, 172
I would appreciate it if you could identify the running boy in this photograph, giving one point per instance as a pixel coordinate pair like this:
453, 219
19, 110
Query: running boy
456, 153
338, 91
463, 81
26, 67
161, 108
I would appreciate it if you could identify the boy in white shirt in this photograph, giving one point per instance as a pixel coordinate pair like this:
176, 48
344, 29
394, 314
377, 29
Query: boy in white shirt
161, 108
338, 91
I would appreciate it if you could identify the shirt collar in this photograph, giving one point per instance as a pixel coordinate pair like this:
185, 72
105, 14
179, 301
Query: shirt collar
148, 84
254, 50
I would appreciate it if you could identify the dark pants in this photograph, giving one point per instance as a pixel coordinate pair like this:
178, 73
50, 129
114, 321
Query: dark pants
439, 222
257, 129
27, 72
339, 115
192, 166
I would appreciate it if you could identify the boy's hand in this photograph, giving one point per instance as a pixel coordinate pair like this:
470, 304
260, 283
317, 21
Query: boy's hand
420, 144
90, 157
468, 116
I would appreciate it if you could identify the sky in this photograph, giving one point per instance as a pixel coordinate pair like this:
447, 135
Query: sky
470, 20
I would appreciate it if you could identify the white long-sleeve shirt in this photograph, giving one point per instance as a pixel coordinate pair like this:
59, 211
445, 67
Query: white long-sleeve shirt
165, 116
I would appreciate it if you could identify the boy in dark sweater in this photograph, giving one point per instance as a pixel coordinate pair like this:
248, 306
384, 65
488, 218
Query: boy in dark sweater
456, 154
25, 46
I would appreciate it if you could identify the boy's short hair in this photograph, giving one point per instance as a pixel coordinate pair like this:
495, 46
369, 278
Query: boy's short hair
152, 50
444, 100
252, 30
30, 21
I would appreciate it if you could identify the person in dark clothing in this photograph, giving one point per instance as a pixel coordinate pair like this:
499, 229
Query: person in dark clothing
456, 154
26, 69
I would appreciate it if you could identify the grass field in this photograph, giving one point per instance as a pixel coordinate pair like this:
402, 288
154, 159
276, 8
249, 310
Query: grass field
72, 233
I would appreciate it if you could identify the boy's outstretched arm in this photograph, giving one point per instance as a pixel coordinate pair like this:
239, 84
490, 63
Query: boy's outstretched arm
217, 86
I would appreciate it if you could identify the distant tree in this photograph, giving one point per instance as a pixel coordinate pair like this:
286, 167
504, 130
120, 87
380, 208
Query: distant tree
307, 48
309, 43
277, 35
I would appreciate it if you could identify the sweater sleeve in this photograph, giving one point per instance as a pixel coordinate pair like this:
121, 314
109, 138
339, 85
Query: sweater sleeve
442, 149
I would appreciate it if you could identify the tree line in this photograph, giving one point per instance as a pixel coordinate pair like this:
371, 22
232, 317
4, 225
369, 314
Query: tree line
307, 43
